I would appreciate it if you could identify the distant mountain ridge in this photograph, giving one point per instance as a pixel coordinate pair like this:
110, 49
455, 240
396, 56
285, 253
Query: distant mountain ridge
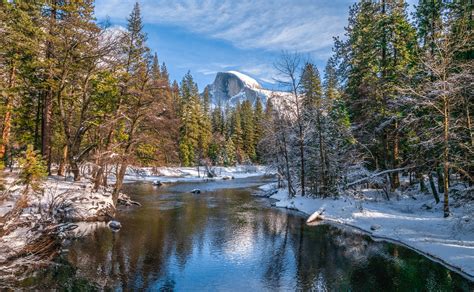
232, 87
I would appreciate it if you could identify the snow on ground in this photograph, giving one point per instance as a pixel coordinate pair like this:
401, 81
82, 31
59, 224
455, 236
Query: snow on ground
412, 220
192, 174
72, 201
60, 201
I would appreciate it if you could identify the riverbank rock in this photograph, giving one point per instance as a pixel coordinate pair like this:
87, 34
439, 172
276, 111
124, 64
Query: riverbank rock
375, 227
114, 225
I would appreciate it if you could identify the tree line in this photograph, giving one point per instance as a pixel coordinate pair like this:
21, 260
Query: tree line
217, 134
396, 98
86, 95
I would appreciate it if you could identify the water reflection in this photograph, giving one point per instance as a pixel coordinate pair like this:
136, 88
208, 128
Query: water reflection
229, 240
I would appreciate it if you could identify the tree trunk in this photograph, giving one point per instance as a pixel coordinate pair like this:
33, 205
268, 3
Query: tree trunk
75, 169
468, 121
421, 180
8, 115
446, 156
321, 156
62, 165
46, 127
440, 176
303, 187
433, 187
287, 163
120, 174
98, 180
38, 124
396, 159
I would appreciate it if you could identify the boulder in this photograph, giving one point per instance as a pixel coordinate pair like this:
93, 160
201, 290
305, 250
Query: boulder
114, 225
375, 227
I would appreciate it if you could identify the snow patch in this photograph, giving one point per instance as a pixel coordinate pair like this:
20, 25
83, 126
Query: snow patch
193, 174
404, 220
247, 80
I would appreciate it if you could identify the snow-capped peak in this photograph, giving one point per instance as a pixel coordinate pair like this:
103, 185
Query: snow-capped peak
232, 87
247, 80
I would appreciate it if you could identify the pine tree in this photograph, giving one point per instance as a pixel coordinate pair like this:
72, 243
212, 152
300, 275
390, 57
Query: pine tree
164, 73
155, 70
313, 107
32, 170
217, 117
248, 127
20, 36
237, 133
380, 54
438, 101
196, 127
258, 121
428, 17
205, 127
229, 153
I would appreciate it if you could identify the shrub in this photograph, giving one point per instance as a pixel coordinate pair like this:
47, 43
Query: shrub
32, 169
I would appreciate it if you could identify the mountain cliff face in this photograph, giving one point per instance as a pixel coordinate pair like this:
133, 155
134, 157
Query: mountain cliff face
231, 87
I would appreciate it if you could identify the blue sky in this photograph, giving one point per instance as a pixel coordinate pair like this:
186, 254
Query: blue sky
209, 36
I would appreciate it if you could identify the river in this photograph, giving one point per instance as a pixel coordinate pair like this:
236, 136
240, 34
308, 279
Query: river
225, 239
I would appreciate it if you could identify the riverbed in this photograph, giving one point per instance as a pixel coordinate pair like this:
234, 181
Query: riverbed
226, 239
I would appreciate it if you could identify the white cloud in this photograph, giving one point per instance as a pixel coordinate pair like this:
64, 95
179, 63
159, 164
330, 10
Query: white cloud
274, 25
261, 71
207, 71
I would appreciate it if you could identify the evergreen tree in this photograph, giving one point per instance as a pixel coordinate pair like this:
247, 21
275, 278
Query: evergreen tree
196, 127
237, 133
313, 107
229, 153
20, 36
258, 122
217, 118
248, 128
428, 18
380, 54
155, 69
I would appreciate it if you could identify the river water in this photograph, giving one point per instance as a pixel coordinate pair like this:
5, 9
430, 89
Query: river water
225, 239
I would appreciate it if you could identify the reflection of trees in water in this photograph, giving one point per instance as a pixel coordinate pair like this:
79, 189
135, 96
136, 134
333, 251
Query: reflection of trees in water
276, 266
290, 245
329, 258
231, 225
140, 253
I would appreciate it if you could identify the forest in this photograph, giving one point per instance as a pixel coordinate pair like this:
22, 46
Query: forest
396, 97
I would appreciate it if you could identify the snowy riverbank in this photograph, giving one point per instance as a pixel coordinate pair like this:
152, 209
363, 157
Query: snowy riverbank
30, 235
411, 219
63, 199
192, 174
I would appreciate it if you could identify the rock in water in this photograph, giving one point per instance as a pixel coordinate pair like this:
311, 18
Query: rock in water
157, 183
196, 191
375, 227
114, 225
